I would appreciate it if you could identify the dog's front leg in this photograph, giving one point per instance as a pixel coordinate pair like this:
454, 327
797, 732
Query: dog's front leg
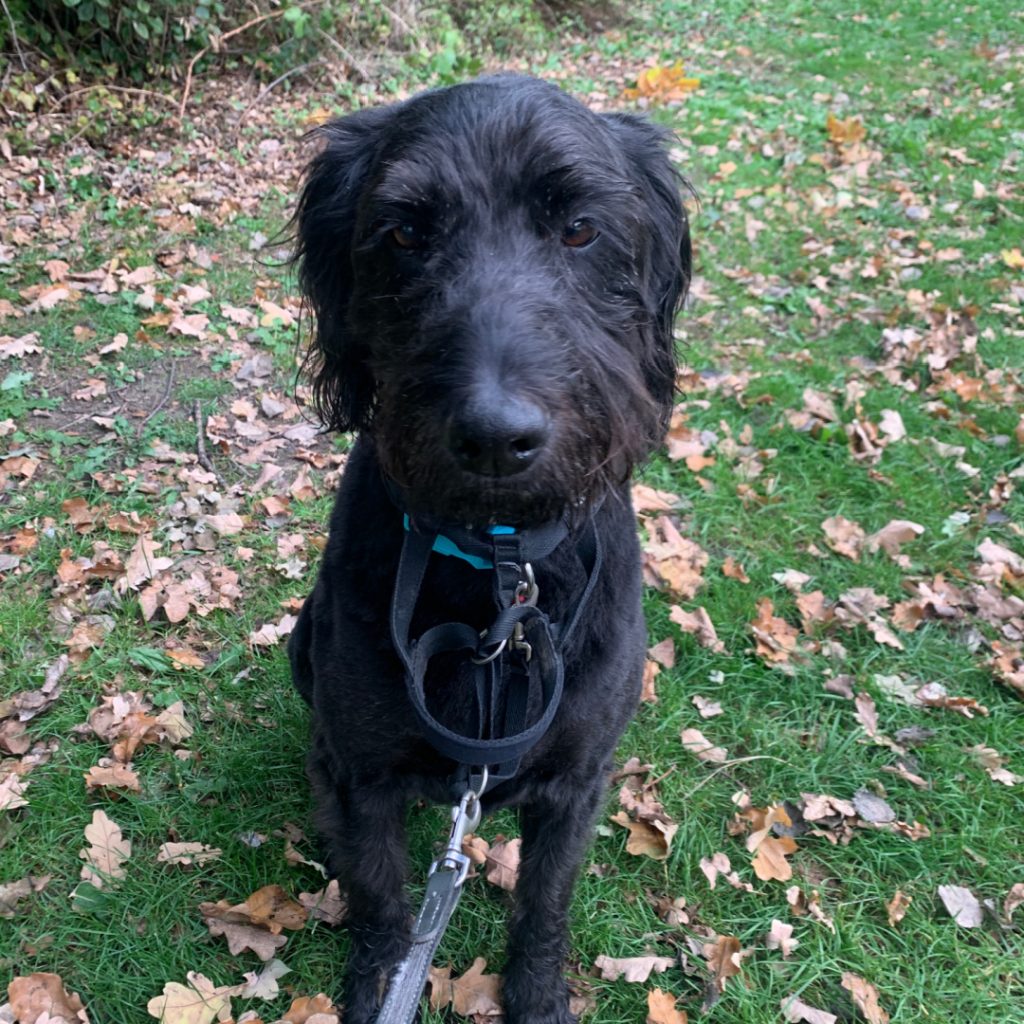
555, 838
365, 832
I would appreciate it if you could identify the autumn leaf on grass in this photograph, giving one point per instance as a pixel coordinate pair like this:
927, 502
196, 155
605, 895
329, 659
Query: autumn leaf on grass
702, 748
502, 863
264, 985
672, 562
718, 864
12, 792
647, 499
106, 853
1013, 258
889, 538
648, 691
780, 936
198, 1002
475, 994
257, 923
995, 764
12, 893
844, 536
651, 830
725, 959
327, 905
633, 968
661, 1008
962, 905
800, 904
112, 776
774, 638
865, 995
662, 84
186, 853
1008, 666
42, 997
897, 907
844, 132
699, 623
316, 1009
770, 860
796, 1011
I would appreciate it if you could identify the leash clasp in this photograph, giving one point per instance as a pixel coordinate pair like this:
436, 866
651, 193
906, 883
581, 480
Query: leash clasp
466, 816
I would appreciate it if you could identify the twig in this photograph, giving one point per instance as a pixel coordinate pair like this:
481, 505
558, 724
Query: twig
163, 399
729, 764
223, 39
265, 91
347, 55
59, 102
204, 459
14, 36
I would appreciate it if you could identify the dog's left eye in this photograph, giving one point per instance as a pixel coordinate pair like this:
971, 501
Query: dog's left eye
407, 236
579, 233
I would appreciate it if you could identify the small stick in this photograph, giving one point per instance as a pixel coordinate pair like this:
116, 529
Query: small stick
14, 36
265, 91
163, 400
204, 459
223, 39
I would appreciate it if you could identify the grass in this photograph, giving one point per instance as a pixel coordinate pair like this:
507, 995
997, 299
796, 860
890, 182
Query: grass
930, 83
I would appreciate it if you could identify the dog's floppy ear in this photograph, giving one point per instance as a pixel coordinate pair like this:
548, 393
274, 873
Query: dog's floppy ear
667, 256
325, 224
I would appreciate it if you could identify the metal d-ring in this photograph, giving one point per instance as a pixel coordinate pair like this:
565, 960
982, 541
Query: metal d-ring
490, 657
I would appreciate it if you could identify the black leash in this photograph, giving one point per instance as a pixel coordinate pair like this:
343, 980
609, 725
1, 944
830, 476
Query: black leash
519, 655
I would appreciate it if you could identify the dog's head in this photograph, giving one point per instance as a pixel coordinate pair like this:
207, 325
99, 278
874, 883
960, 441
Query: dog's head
494, 271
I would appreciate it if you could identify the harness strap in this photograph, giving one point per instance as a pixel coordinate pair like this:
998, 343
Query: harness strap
502, 682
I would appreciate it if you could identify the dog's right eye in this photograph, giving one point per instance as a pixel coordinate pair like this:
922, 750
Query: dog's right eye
407, 236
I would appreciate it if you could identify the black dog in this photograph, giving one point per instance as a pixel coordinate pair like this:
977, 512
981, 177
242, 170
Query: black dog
494, 271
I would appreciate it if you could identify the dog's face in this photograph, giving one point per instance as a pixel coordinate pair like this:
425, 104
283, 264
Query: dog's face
494, 271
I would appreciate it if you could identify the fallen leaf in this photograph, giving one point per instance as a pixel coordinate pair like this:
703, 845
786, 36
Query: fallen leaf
113, 776
962, 905
12, 792
865, 995
844, 536
186, 853
780, 936
264, 985
632, 968
774, 638
477, 994
317, 1009
503, 863
106, 853
661, 1008
796, 1011
198, 1002
698, 622
327, 905
42, 997
897, 907
702, 748
770, 860
724, 958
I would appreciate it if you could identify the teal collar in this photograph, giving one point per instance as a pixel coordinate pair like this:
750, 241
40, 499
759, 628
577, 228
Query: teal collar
446, 546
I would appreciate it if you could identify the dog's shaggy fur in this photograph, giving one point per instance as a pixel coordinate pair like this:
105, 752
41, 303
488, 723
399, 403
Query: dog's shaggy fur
494, 272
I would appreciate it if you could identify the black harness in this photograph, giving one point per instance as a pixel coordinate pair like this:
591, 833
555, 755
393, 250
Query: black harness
514, 663
518, 656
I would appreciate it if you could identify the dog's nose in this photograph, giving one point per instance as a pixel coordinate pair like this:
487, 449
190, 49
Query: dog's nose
500, 438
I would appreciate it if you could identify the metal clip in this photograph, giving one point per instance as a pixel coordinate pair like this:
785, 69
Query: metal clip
465, 818
527, 590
